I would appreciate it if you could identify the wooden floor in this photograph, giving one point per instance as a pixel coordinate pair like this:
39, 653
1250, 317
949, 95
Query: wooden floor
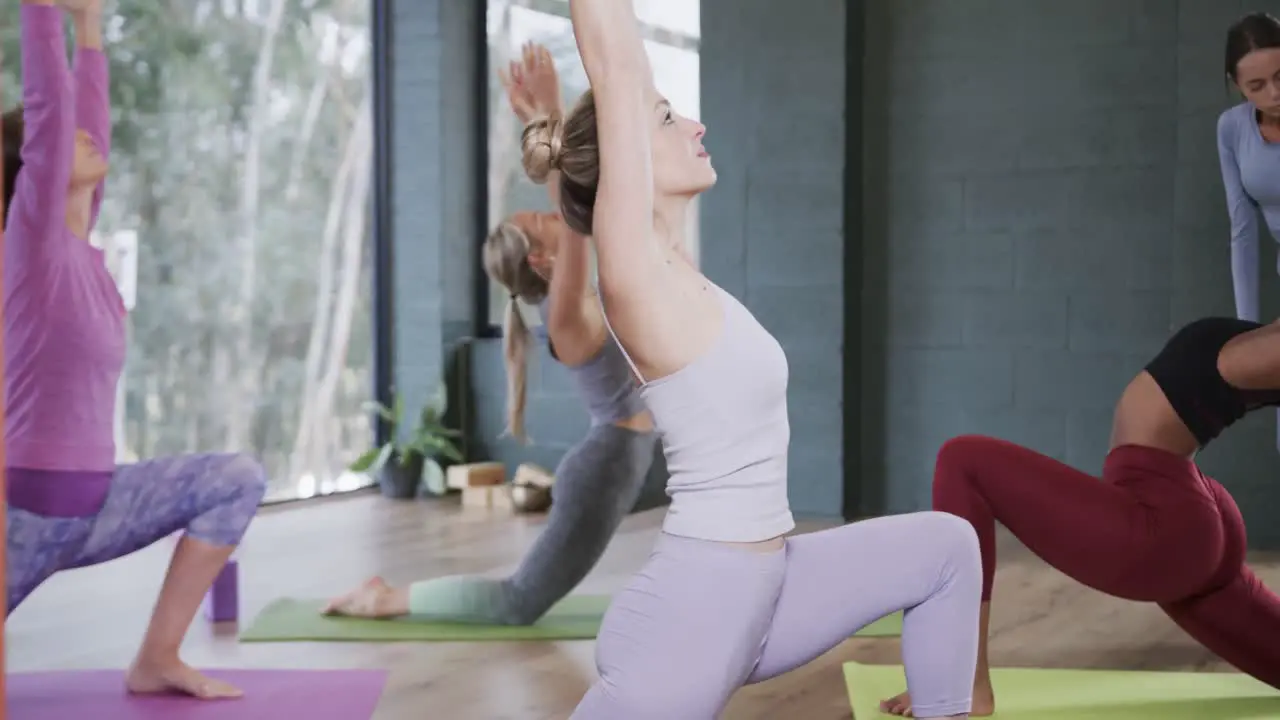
93, 618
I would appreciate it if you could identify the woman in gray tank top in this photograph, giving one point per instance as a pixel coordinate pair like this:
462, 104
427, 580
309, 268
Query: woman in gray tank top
599, 480
726, 598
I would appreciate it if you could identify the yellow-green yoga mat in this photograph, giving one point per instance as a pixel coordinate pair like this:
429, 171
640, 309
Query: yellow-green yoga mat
577, 617
1023, 693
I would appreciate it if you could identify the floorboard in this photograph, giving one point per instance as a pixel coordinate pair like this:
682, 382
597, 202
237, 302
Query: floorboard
93, 618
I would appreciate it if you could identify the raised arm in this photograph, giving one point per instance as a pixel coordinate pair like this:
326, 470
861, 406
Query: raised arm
48, 112
574, 321
93, 104
533, 89
621, 81
1244, 222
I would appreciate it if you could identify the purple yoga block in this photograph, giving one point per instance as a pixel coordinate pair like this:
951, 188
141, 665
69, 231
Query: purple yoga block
222, 603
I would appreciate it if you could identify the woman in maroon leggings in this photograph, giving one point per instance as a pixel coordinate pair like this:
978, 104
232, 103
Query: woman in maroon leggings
1155, 529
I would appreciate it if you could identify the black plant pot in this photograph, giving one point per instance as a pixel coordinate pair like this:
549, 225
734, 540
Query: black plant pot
399, 480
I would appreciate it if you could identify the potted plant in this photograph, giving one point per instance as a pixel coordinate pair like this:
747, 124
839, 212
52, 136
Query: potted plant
411, 465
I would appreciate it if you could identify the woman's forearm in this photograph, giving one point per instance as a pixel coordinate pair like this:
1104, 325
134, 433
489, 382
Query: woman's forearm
92, 90
570, 282
1244, 276
1243, 213
49, 124
88, 29
609, 42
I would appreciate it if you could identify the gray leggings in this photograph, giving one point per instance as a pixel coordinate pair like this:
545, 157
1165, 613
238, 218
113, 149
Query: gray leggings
704, 618
597, 484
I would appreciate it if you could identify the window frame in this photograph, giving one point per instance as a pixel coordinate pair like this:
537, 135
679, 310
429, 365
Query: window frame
382, 221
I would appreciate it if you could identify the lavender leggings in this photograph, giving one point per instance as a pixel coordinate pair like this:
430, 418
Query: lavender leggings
703, 618
212, 497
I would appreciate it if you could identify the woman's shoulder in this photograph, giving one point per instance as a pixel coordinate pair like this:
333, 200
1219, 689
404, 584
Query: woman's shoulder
1232, 119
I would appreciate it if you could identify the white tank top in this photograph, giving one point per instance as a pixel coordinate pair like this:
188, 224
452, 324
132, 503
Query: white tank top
723, 423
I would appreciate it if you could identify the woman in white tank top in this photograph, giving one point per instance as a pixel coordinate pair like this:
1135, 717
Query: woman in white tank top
726, 598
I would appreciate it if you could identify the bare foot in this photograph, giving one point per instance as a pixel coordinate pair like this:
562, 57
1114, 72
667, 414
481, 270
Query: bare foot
984, 703
374, 599
897, 705
176, 677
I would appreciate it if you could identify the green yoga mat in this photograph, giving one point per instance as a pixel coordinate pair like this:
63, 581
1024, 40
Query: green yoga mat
577, 617
1022, 694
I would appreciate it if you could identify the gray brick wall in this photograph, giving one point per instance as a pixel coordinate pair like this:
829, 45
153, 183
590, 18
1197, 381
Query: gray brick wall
434, 176
1043, 207
773, 88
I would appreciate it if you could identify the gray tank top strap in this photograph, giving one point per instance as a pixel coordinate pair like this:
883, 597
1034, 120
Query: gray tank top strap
604, 382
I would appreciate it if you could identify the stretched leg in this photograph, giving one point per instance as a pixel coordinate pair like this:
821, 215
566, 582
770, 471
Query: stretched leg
213, 498
840, 580
36, 547
1095, 532
605, 475
597, 483
1239, 622
683, 635
1238, 618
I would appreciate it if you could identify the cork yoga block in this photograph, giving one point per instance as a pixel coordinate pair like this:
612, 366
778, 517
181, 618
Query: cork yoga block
530, 474
492, 497
460, 477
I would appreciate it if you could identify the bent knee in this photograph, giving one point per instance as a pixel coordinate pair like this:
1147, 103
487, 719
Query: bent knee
520, 614
234, 487
950, 531
956, 542
955, 459
956, 452
242, 478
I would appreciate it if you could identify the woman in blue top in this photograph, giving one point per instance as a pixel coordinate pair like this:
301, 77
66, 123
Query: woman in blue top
1249, 149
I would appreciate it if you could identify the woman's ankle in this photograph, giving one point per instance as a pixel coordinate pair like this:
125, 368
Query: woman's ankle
394, 602
153, 655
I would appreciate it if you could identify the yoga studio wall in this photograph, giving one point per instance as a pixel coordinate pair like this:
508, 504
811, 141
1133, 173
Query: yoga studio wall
1043, 206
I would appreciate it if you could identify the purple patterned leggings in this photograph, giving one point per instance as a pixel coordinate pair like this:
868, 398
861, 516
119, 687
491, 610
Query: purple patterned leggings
213, 497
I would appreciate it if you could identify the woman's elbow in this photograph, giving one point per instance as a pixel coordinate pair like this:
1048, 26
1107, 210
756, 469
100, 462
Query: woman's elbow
617, 62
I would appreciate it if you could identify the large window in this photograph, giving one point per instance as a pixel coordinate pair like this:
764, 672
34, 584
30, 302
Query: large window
235, 221
671, 29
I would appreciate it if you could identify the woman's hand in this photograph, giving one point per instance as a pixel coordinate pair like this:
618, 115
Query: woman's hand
532, 85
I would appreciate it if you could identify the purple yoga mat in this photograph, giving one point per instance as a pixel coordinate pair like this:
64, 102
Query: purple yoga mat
268, 695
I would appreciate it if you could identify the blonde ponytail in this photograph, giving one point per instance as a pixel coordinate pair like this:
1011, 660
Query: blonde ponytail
506, 261
515, 351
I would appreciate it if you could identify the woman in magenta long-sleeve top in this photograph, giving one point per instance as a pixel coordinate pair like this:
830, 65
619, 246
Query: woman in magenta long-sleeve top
69, 504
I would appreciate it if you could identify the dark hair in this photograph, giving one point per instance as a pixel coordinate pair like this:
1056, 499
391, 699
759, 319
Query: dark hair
12, 127
1255, 31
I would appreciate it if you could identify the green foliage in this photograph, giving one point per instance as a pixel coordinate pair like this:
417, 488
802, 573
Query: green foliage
215, 362
428, 441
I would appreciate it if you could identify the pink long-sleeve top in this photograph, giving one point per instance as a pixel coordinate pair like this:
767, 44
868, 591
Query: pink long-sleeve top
64, 330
